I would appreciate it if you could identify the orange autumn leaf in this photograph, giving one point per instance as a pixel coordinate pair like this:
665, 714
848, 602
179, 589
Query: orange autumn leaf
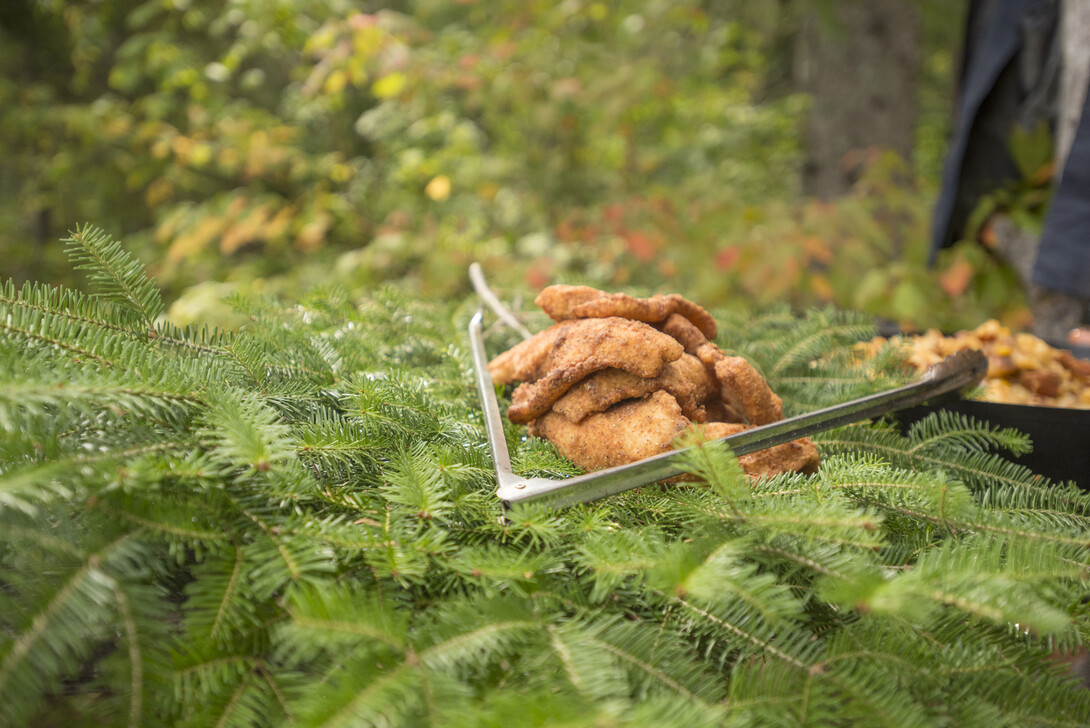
536, 278
642, 246
817, 249
726, 259
955, 279
988, 236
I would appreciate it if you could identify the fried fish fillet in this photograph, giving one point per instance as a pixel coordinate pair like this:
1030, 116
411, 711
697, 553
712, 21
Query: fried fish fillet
745, 394
563, 302
575, 349
635, 346
626, 432
639, 428
760, 403
799, 456
686, 379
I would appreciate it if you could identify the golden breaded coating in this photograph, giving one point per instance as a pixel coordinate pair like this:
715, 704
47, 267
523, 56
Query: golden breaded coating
800, 456
743, 390
582, 347
686, 379
608, 389
562, 302
522, 361
728, 406
690, 337
559, 300
636, 347
759, 402
639, 428
626, 432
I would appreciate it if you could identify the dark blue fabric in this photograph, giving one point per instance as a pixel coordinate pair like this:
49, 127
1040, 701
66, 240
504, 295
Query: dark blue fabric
1063, 261
993, 37
991, 98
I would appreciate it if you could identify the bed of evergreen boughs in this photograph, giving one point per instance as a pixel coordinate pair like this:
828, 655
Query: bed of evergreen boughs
296, 525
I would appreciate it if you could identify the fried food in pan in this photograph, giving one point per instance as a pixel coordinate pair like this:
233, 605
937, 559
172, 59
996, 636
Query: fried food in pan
572, 302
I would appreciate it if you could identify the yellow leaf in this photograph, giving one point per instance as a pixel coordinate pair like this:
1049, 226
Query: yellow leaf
335, 82
439, 188
312, 234
342, 172
159, 191
195, 239
160, 149
200, 155
278, 226
389, 85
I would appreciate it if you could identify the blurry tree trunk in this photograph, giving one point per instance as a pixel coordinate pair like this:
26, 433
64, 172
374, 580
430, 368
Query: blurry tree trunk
858, 60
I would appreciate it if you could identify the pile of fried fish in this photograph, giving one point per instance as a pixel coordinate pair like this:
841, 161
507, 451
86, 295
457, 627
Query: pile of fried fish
617, 379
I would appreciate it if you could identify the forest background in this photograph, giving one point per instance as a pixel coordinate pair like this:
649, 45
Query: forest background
743, 153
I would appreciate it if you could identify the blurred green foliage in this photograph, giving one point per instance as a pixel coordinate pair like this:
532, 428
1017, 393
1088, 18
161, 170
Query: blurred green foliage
270, 144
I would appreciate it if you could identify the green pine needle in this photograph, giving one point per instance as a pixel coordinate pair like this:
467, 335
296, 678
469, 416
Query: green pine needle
297, 525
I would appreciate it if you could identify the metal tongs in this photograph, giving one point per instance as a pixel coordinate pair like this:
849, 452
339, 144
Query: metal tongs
955, 374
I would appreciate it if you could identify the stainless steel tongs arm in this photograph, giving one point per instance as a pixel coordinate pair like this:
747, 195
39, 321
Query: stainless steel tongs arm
956, 373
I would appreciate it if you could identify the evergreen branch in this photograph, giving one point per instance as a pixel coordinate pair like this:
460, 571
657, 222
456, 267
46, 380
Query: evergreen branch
862, 522
121, 277
18, 481
646, 667
762, 645
233, 701
289, 560
182, 343
206, 665
805, 561
971, 526
24, 642
160, 525
944, 429
72, 307
349, 627
389, 686
136, 658
461, 646
883, 442
93, 393
977, 608
724, 578
564, 653
72, 348
323, 541
41, 539
62, 303
88, 397
277, 692
808, 347
228, 593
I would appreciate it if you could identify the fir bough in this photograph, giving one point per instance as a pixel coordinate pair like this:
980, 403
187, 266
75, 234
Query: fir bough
295, 525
